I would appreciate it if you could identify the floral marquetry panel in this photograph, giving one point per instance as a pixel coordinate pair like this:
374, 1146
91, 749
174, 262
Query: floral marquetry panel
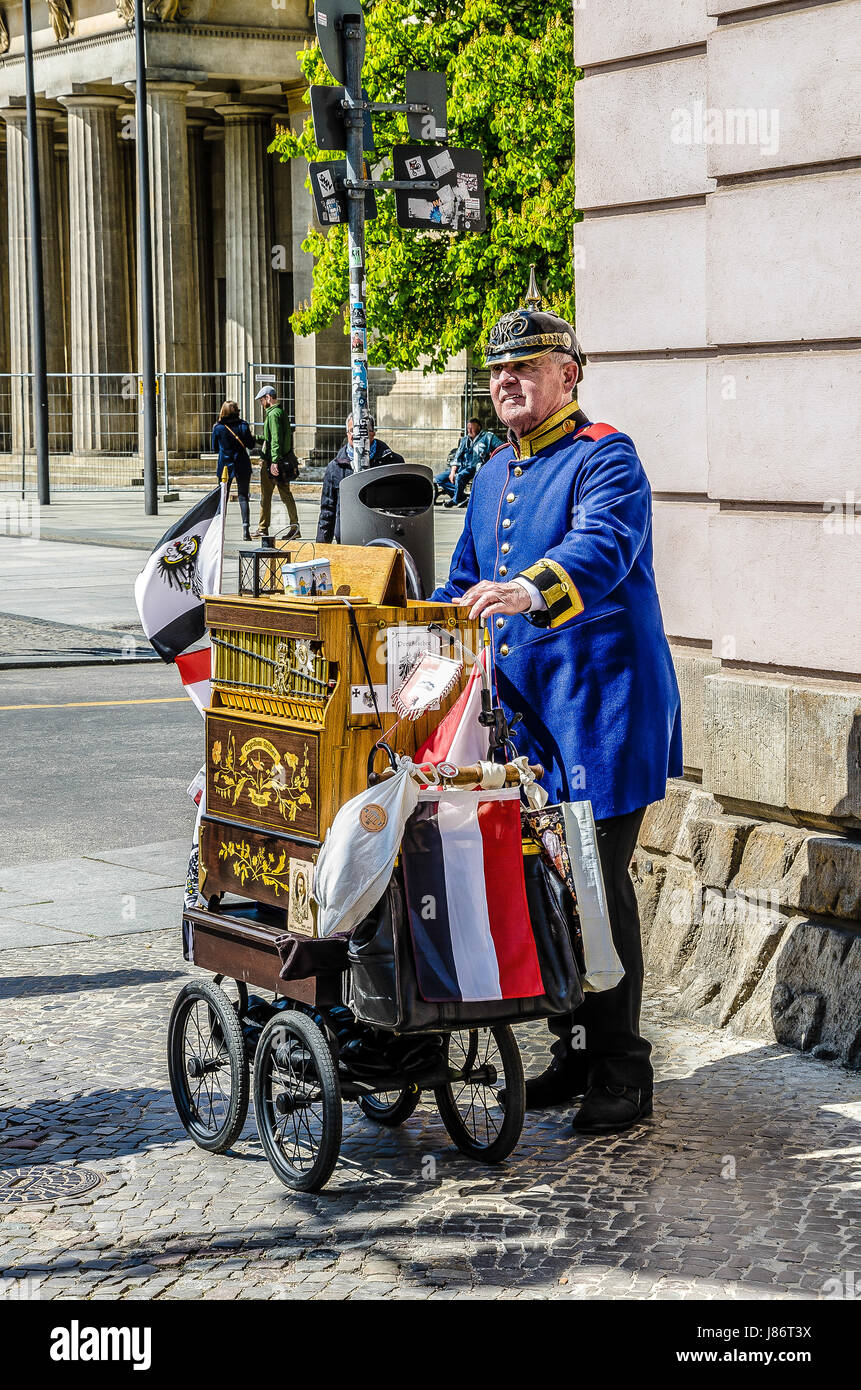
250, 863
261, 775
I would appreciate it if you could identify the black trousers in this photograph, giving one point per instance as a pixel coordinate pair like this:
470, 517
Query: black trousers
610, 1050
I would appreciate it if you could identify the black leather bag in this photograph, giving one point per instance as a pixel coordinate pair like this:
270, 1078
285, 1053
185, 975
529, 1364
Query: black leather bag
383, 986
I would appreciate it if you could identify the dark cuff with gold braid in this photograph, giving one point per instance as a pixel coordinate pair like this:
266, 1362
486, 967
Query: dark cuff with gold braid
558, 591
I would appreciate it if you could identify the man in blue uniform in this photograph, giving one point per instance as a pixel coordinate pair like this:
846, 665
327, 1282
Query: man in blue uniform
556, 555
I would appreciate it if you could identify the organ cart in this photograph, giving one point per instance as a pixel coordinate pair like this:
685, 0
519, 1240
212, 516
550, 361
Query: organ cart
300, 690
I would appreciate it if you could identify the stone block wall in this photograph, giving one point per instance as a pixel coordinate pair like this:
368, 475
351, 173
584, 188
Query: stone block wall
752, 925
718, 168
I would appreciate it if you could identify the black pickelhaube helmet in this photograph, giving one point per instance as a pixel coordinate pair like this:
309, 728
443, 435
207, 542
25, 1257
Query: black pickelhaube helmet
531, 332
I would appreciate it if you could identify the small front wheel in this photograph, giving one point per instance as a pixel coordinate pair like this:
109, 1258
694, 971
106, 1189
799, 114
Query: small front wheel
297, 1101
482, 1061
207, 1066
390, 1108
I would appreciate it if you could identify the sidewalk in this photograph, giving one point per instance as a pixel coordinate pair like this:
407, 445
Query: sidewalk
113, 893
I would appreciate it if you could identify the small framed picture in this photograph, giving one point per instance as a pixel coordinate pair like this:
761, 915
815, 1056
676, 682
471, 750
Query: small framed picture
300, 912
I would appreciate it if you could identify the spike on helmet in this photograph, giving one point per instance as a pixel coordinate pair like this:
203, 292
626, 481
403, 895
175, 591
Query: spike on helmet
531, 332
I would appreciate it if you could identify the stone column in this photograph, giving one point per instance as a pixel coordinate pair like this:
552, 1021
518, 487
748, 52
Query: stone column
251, 310
104, 408
200, 185
18, 296
214, 142
61, 419
175, 284
128, 172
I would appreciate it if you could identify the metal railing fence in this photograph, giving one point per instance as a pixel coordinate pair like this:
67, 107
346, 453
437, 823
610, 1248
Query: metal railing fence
94, 420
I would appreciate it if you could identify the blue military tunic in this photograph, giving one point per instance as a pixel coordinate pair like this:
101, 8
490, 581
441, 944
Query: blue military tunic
591, 674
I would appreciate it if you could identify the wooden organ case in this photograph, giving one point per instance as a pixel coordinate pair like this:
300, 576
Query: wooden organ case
290, 726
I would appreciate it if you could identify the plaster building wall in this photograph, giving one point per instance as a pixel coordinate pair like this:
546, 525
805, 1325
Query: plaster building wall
719, 173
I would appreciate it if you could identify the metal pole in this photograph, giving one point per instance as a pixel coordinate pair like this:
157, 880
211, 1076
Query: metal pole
354, 120
24, 431
145, 301
37, 289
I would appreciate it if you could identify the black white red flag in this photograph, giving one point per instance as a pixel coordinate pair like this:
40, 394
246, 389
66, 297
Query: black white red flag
183, 567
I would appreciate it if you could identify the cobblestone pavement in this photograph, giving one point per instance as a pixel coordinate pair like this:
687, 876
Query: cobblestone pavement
744, 1185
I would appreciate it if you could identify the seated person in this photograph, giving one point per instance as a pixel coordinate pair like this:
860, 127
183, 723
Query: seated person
474, 449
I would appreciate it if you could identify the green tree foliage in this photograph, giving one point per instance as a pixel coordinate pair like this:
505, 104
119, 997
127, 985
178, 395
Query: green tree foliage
510, 71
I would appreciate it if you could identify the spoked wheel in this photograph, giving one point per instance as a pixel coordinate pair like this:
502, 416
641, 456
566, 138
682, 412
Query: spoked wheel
390, 1107
297, 1101
207, 1065
481, 1124
236, 991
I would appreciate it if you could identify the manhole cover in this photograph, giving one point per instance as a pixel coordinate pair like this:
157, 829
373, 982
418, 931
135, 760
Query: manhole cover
44, 1183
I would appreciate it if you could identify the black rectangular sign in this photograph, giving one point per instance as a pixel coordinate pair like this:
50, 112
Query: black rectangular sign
330, 197
427, 89
457, 205
327, 114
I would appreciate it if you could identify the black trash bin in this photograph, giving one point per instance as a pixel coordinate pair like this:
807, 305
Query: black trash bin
393, 503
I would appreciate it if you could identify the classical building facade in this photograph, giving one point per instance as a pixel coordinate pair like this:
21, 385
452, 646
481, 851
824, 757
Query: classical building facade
718, 169
228, 219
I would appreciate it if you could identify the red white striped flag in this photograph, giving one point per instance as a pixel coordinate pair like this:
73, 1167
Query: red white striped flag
462, 855
195, 672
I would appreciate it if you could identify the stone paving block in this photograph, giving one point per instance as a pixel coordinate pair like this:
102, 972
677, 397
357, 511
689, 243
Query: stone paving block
768, 855
14, 934
716, 843
817, 990
824, 878
664, 821
101, 914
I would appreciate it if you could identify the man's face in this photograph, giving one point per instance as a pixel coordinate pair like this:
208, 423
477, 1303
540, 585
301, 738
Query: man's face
525, 393
268, 401
472, 430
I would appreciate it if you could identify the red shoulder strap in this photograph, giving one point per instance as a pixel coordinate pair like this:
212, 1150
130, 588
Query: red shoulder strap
595, 431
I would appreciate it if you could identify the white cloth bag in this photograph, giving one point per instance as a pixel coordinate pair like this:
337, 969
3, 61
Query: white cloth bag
603, 966
355, 864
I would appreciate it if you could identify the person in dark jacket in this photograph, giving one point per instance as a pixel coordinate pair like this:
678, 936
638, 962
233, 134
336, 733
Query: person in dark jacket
232, 439
329, 524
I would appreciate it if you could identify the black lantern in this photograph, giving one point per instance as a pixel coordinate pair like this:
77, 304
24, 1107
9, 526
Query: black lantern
260, 570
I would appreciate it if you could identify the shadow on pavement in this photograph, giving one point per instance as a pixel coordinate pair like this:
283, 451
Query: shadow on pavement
19, 986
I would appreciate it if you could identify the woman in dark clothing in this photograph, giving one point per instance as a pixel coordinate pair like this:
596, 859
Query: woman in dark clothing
232, 438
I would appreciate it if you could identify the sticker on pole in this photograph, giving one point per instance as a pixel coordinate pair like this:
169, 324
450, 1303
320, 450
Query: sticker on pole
457, 205
330, 195
329, 16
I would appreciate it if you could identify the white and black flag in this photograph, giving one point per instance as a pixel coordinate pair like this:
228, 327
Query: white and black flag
185, 565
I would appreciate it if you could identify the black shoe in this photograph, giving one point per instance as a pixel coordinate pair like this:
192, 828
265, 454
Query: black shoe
449, 503
609, 1109
558, 1085
246, 533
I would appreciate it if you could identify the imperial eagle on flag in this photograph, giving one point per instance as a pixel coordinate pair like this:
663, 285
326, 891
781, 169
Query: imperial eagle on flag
462, 858
185, 565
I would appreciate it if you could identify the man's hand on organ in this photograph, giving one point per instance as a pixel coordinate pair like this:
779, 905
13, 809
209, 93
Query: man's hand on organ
486, 598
